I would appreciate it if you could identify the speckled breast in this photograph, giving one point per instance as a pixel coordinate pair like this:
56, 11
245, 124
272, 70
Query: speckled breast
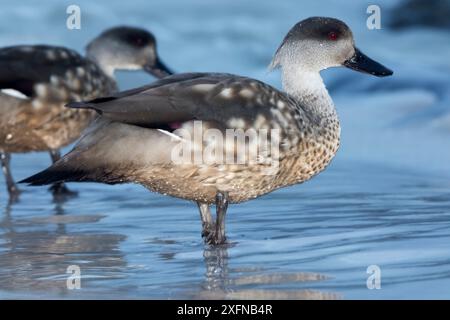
295, 163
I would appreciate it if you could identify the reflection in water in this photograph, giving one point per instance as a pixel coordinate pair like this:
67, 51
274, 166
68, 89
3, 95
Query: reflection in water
398, 221
217, 273
35, 253
222, 282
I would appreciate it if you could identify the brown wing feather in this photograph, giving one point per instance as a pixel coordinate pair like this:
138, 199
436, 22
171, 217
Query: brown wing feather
202, 96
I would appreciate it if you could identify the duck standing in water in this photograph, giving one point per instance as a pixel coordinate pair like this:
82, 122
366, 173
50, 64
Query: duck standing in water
37, 81
135, 138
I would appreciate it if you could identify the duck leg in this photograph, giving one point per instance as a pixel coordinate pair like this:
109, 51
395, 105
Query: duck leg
11, 185
221, 210
207, 223
59, 189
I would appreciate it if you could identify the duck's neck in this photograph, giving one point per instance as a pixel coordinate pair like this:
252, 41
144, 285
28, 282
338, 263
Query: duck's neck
308, 89
102, 59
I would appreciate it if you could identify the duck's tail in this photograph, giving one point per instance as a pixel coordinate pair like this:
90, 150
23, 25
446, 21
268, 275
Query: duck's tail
58, 172
74, 167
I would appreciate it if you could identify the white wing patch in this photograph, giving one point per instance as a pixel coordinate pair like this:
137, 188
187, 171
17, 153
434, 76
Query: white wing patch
170, 134
14, 93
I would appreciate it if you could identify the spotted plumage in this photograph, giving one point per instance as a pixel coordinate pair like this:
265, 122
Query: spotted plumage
219, 104
133, 140
37, 81
48, 77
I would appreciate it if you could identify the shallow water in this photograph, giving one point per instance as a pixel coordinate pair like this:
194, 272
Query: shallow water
314, 240
385, 199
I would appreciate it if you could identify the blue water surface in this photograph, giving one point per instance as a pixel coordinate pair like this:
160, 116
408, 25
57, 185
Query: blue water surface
384, 200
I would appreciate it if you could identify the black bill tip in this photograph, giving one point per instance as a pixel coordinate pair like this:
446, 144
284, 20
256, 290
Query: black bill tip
158, 69
362, 63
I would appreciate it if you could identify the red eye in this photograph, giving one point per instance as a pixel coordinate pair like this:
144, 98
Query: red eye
332, 36
138, 41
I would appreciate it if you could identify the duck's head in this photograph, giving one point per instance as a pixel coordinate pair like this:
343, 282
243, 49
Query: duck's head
127, 48
318, 43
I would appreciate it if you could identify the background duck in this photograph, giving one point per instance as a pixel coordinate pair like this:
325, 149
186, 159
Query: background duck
36, 81
134, 139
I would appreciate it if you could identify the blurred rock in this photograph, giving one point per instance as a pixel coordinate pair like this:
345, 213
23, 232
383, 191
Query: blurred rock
431, 13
